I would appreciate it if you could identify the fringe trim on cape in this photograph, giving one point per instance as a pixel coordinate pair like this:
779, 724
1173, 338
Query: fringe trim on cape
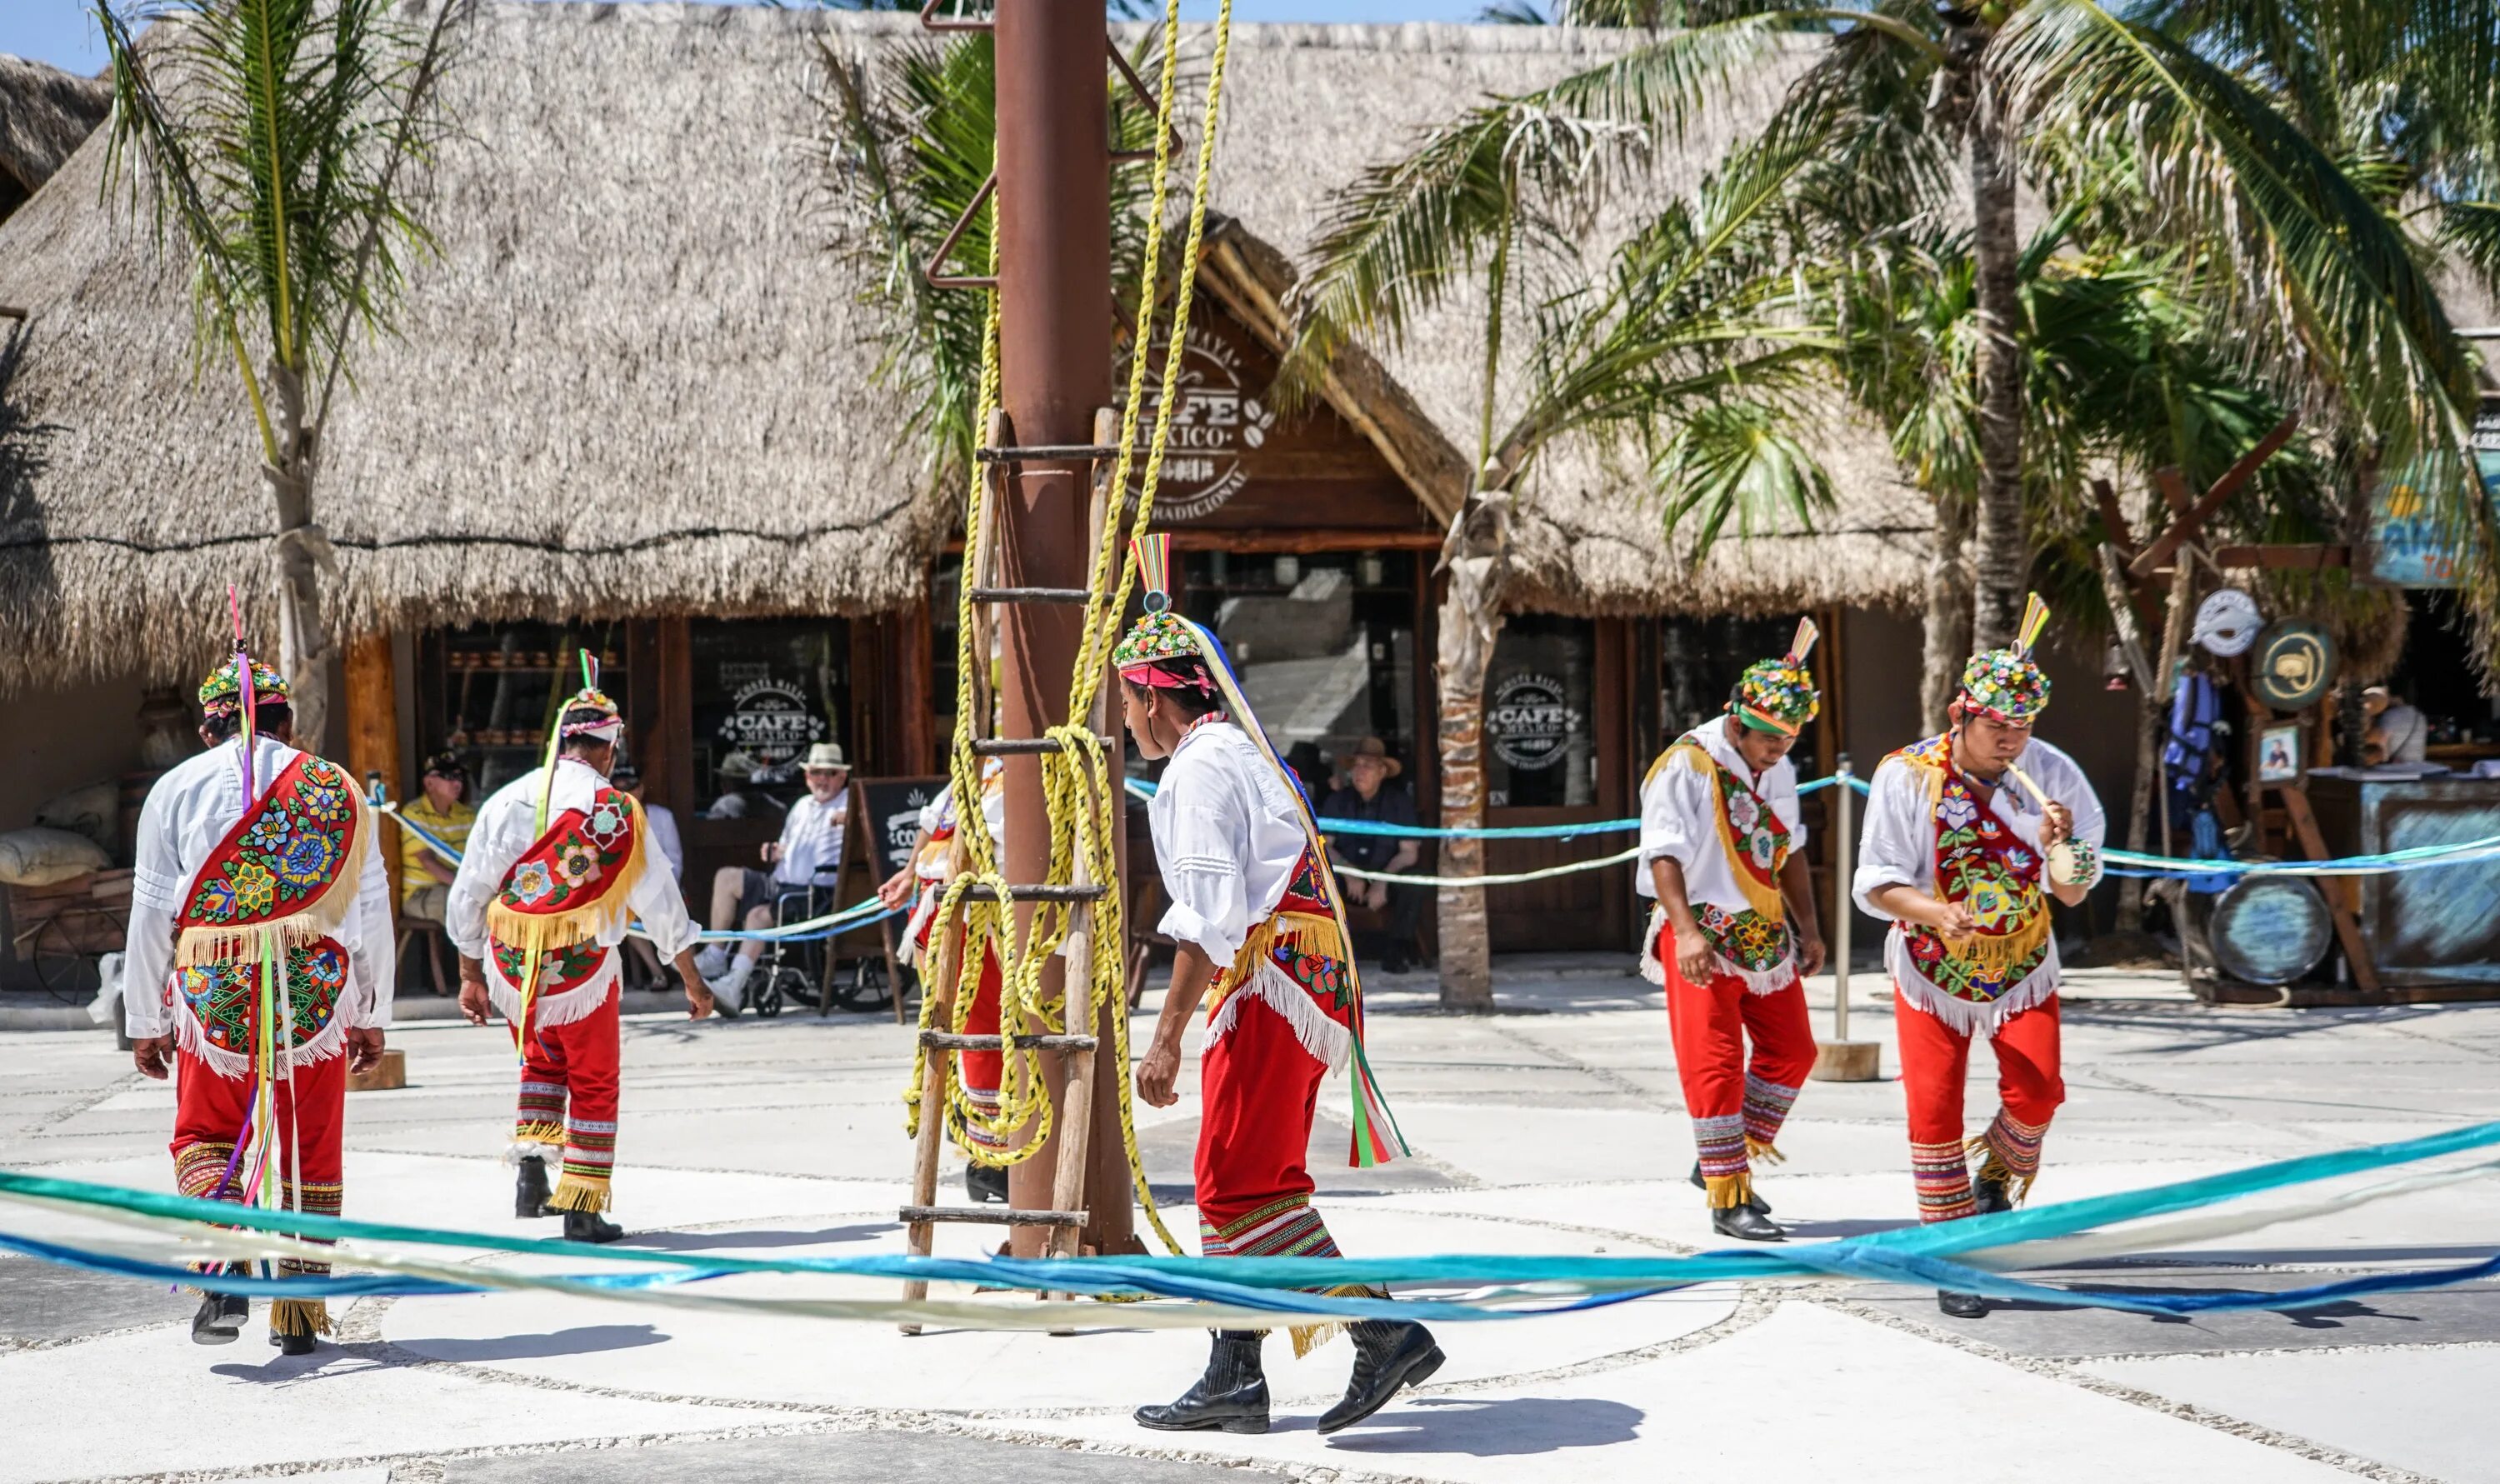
192, 1039
1758, 981
553, 1009
1327, 1042
1970, 1015
318, 918
1308, 1337
610, 912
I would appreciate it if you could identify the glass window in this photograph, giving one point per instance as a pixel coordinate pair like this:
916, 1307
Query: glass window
764, 691
1540, 723
1702, 659
1324, 645
490, 691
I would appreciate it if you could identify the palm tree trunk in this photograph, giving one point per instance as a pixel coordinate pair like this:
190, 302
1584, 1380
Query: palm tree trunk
1948, 632
2000, 556
304, 651
1469, 624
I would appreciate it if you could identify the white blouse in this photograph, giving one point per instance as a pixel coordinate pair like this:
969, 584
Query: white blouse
187, 813
1680, 819
1228, 838
506, 829
1900, 848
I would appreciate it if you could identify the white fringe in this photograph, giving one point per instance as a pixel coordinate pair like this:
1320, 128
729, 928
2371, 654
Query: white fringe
1328, 1044
1758, 981
192, 1037
554, 1009
520, 1149
1967, 1016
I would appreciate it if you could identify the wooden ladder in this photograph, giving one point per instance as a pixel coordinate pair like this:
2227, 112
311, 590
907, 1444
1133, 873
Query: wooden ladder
1067, 1215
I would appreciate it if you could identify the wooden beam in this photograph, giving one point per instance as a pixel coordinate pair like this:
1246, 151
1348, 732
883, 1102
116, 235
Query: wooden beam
2185, 526
1239, 543
373, 731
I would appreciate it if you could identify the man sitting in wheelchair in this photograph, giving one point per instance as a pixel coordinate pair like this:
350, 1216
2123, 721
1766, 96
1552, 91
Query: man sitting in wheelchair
806, 861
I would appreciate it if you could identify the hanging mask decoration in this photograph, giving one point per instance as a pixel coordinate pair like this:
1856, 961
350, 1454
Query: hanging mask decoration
2226, 623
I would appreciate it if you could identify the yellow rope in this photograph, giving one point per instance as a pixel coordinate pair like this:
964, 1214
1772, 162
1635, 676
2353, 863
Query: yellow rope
1085, 804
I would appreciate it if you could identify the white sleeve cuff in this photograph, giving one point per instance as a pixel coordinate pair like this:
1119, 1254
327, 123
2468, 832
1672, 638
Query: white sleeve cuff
1182, 925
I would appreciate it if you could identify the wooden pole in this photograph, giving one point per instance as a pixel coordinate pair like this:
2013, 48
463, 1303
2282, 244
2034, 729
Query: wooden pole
372, 730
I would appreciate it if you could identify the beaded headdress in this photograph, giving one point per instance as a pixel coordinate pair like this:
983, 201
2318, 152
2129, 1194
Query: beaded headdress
1159, 648
2006, 684
1779, 695
222, 693
607, 725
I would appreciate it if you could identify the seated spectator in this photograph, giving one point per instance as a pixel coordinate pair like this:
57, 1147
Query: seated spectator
425, 877
807, 857
737, 774
2396, 732
663, 826
1368, 769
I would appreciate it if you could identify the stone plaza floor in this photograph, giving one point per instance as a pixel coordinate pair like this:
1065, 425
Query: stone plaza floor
1553, 1127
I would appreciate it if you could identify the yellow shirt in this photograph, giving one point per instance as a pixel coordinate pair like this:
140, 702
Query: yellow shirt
451, 824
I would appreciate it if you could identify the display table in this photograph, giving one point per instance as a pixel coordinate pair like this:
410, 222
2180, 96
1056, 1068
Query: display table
2434, 933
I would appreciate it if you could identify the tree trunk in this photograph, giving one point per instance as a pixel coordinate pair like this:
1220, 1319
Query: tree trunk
1470, 622
1948, 635
303, 647
2000, 556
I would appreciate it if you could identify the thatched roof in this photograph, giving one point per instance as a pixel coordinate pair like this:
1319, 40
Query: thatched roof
45, 113
635, 381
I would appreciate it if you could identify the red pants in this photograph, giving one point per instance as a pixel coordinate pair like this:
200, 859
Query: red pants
309, 1109
568, 1098
982, 1071
1738, 1105
1260, 1091
1935, 1060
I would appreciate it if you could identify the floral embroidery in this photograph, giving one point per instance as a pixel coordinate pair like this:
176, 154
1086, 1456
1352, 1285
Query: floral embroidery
1982, 864
282, 856
255, 890
559, 968
574, 863
1748, 939
224, 997
532, 883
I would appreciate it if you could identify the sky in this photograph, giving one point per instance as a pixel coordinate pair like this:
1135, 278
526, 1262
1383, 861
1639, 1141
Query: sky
61, 32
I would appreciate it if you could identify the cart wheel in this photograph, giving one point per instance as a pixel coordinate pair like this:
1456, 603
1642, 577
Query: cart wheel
67, 973
768, 996
866, 987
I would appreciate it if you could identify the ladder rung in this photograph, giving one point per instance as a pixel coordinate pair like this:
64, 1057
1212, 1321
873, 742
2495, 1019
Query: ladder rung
1039, 893
1075, 595
1046, 453
1021, 747
949, 1040
993, 1215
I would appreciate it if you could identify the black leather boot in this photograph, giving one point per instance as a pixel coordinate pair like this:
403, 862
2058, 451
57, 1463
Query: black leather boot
1233, 1394
1758, 1206
288, 1342
985, 1183
1961, 1305
590, 1226
1388, 1357
1988, 1193
1745, 1223
220, 1319
530, 1190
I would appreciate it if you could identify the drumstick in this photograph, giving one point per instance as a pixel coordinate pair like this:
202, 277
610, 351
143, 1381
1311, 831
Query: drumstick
2038, 795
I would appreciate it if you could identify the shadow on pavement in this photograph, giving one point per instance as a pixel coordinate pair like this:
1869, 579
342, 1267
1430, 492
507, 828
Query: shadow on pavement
585, 1339
715, 1241
1493, 1428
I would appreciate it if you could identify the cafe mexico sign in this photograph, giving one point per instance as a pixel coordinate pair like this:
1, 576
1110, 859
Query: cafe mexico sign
1217, 424
1531, 721
771, 722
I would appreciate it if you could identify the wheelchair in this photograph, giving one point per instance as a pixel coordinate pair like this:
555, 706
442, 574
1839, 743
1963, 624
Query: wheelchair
808, 972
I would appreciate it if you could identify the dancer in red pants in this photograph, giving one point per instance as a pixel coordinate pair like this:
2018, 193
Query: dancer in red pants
255, 856
1963, 856
559, 867
1722, 854
1259, 926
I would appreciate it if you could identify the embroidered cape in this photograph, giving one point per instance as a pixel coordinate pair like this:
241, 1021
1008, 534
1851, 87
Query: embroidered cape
569, 887
1754, 942
271, 894
1982, 863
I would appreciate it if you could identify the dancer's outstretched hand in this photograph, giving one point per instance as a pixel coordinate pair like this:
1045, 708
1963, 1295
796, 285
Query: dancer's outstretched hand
1157, 1073
472, 998
149, 1052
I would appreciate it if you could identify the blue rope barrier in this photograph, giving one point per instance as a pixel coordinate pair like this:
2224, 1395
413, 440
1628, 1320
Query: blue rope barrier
1920, 1256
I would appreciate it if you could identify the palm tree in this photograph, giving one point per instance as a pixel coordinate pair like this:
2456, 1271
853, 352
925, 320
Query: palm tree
1691, 343
272, 140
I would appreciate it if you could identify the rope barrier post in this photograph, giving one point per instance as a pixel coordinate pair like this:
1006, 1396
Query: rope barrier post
1840, 1059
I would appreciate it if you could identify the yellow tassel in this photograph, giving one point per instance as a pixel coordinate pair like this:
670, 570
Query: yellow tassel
579, 1193
2000, 953
1310, 1337
1994, 1168
1726, 1192
1760, 1149
300, 1317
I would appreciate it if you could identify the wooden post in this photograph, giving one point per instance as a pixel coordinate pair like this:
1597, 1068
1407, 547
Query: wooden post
373, 731
939, 994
